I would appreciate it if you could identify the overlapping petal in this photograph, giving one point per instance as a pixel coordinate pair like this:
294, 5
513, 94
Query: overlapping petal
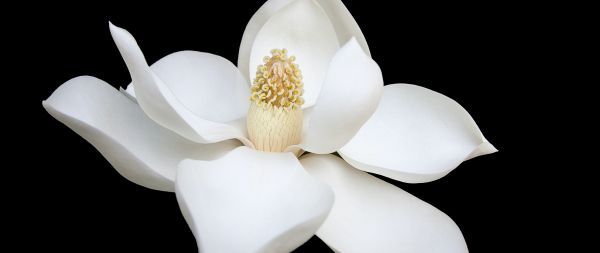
349, 97
416, 135
139, 149
370, 215
208, 85
186, 70
251, 201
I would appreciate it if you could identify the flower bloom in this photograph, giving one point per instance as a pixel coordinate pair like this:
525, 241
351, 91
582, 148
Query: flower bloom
247, 149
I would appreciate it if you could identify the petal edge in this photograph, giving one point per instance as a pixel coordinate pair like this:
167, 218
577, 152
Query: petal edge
139, 149
251, 201
371, 215
415, 136
349, 97
159, 102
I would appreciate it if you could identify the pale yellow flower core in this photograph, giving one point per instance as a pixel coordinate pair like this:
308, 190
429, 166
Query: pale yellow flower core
275, 117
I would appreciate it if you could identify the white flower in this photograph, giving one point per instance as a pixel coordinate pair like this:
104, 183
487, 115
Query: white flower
181, 126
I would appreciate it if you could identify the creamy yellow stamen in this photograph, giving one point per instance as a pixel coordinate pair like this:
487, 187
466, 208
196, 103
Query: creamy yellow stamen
275, 117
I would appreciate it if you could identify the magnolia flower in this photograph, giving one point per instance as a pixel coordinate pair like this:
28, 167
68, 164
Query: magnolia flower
247, 149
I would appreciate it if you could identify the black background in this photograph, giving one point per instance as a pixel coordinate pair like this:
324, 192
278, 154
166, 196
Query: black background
481, 56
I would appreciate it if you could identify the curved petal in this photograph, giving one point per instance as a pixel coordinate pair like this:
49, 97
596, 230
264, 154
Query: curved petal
339, 16
416, 135
159, 101
138, 148
350, 95
370, 215
251, 201
303, 28
203, 82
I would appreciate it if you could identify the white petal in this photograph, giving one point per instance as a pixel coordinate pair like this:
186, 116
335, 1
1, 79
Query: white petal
159, 101
251, 201
208, 85
138, 148
303, 28
349, 97
370, 215
339, 16
416, 135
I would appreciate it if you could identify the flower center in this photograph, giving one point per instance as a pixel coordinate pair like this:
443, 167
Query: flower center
274, 120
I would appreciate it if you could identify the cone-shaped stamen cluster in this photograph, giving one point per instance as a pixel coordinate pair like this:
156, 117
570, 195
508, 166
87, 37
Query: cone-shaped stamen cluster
275, 117
278, 82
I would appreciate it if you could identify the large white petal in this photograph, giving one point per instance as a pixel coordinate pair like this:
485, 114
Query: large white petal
138, 148
339, 16
416, 135
251, 201
370, 215
303, 28
349, 97
159, 102
208, 85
